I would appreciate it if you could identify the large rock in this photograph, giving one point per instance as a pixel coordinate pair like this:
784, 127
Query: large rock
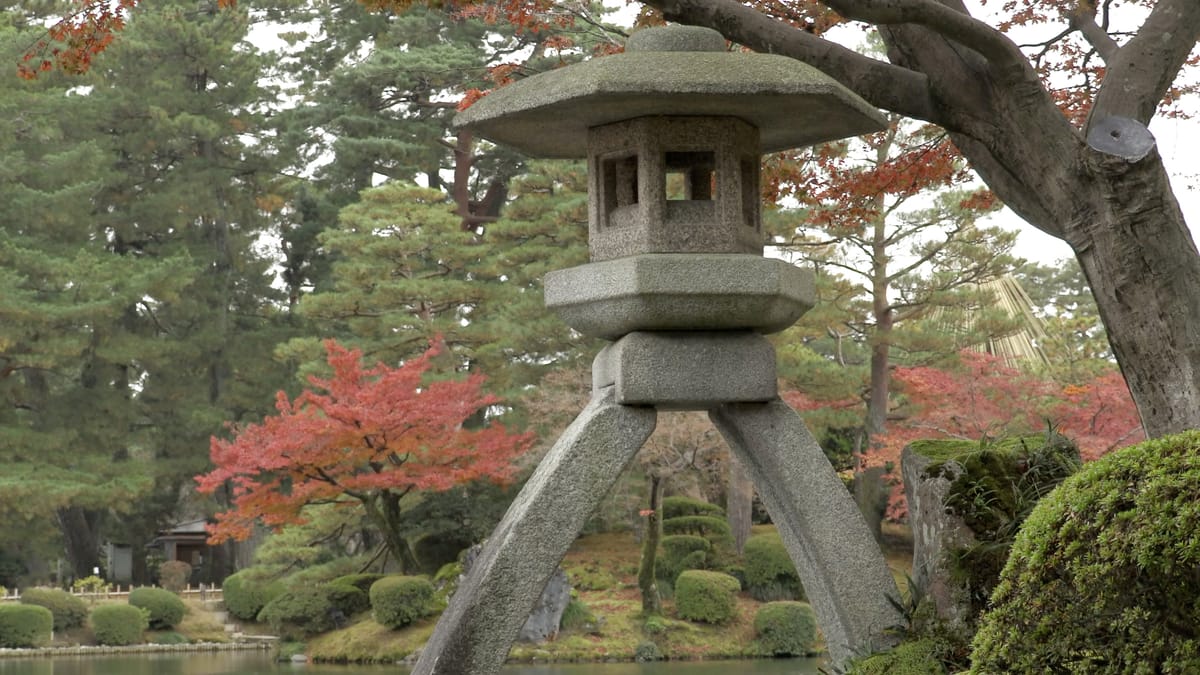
937, 531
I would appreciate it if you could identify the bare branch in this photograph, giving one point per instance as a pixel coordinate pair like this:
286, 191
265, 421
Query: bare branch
883, 85
1141, 72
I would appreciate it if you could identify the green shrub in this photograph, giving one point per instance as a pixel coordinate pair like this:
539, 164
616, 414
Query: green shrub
174, 575
770, 574
710, 527
1102, 576
647, 651
576, 617
398, 601
705, 596
166, 609
247, 592
25, 625
786, 629
347, 598
678, 507
301, 611
68, 610
908, 658
361, 581
119, 624
681, 552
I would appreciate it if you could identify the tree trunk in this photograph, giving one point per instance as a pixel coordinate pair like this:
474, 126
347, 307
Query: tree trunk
647, 581
78, 528
740, 503
383, 509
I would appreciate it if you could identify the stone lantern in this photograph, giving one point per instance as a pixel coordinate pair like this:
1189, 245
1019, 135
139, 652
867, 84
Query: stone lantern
673, 131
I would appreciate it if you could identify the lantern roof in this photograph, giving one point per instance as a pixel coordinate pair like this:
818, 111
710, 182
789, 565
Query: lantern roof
671, 70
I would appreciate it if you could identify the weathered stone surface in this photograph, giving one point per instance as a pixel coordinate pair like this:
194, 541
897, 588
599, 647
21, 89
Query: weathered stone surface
659, 292
793, 104
842, 569
543, 621
688, 370
494, 600
715, 205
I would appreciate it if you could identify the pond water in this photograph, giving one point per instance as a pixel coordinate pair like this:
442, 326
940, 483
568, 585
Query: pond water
254, 663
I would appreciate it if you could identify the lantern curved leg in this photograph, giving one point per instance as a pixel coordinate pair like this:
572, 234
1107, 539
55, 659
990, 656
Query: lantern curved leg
491, 604
841, 566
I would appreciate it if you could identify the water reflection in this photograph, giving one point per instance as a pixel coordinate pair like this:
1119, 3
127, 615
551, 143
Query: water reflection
255, 663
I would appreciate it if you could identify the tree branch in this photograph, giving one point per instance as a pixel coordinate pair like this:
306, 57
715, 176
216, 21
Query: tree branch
1142, 71
947, 22
1084, 21
883, 85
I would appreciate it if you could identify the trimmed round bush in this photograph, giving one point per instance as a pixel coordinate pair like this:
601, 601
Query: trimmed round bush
398, 600
301, 611
705, 596
678, 507
681, 552
770, 574
709, 527
166, 609
786, 629
25, 625
360, 581
68, 610
247, 592
1102, 575
119, 624
347, 598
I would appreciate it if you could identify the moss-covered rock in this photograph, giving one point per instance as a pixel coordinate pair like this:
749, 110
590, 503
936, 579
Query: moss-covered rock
705, 596
1103, 574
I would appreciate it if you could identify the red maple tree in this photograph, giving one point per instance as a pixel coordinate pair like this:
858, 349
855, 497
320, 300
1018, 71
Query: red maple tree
363, 437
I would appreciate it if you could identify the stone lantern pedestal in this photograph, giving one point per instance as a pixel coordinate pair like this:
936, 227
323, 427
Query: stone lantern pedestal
673, 131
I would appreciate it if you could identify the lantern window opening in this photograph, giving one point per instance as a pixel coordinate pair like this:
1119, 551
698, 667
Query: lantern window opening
619, 181
690, 175
751, 170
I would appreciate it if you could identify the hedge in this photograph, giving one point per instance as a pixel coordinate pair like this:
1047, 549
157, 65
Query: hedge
302, 611
1102, 576
398, 601
25, 626
68, 610
705, 596
166, 609
678, 507
119, 624
247, 592
770, 573
361, 581
786, 629
347, 598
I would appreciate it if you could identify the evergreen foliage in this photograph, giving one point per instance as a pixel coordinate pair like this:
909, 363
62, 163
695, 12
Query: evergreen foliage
682, 552
786, 629
68, 610
362, 580
348, 598
119, 625
25, 626
245, 593
305, 610
1101, 578
705, 596
770, 573
711, 528
165, 608
917, 657
398, 601
677, 506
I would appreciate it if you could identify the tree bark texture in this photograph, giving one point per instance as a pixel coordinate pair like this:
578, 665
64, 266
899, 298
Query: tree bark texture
647, 578
1115, 210
78, 526
739, 507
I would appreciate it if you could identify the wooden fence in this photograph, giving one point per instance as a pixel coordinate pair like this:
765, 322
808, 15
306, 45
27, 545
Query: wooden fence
202, 593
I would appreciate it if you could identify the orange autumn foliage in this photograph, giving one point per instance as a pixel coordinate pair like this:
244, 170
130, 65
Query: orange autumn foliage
350, 436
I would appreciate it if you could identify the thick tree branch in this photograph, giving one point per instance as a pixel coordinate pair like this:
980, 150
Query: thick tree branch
883, 85
1085, 22
1142, 71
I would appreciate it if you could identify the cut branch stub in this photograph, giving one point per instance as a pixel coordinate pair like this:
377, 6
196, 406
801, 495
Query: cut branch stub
1121, 137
